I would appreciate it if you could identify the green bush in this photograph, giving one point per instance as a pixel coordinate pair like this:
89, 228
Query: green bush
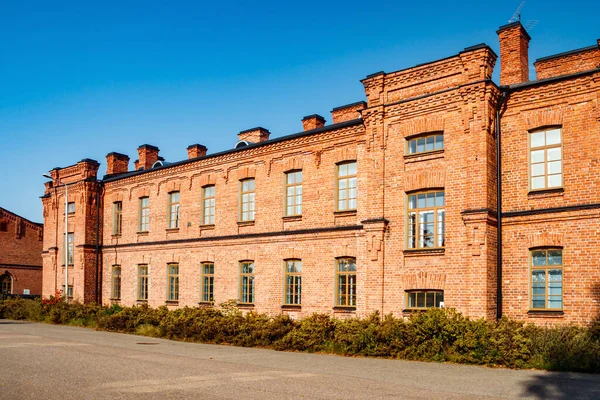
441, 335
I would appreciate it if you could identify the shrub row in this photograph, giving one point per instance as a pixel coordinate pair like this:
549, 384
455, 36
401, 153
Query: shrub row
442, 335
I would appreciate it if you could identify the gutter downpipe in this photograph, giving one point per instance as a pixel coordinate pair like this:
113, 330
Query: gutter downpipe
501, 103
97, 240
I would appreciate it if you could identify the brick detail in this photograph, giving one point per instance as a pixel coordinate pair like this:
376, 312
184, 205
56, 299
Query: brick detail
542, 118
424, 280
580, 61
424, 180
422, 125
545, 239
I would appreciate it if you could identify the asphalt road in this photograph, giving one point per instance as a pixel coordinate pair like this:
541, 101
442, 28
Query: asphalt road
39, 361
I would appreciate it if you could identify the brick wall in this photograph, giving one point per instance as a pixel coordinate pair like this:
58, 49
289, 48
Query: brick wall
20, 252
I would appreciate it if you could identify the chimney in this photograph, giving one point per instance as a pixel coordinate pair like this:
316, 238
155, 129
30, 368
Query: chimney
514, 54
116, 163
148, 156
348, 112
196, 150
254, 135
313, 122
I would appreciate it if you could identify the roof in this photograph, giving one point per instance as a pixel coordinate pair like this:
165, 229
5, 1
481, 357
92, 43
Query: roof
4, 210
327, 128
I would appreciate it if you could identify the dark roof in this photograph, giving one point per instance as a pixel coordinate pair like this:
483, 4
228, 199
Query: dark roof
550, 80
566, 53
358, 103
149, 147
317, 116
258, 128
316, 131
17, 215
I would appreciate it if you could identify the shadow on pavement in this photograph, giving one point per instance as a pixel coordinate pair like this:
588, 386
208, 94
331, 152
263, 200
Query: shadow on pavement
562, 385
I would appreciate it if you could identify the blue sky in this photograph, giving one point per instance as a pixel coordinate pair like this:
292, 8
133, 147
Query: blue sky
82, 79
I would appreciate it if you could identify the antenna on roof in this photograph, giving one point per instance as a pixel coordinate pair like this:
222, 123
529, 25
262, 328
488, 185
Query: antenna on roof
530, 24
517, 15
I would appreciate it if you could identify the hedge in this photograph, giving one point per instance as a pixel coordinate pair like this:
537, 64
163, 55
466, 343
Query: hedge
441, 335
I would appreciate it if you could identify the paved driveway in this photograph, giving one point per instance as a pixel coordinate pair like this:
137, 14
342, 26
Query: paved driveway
39, 361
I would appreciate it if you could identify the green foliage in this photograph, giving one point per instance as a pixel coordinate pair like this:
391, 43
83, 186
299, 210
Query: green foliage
441, 335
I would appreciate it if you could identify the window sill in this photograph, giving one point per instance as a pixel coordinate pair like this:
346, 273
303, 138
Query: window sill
207, 227
344, 309
70, 265
426, 155
292, 218
247, 306
115, 300
545, 313
116, 236
138, 301
291, 306
432, 251
172, 230
172, 302
245, 223
556, 191
206, 303
345, 213
143, 233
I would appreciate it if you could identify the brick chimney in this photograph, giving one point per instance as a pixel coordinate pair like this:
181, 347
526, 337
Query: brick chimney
313, 122
196, 150
116, 163
148, 155
254, 135
514, 54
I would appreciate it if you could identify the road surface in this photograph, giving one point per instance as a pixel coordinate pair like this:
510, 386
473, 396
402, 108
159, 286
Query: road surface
40, 361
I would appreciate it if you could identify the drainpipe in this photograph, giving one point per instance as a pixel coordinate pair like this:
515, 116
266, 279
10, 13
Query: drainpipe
501, 102
97, 241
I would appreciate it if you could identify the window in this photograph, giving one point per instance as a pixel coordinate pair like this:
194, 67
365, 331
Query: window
208, 205
546, 279
247, 282
144, 217
293, 282
117, 217
5, 284
426, 143
69, 291
545, 157
172, 282
173, 210
71, 208
70, 247
247, 200
426, 220
142, 282
293, 193
116, 282
345, 282
424, 299
3, 227
346, 186
207, 282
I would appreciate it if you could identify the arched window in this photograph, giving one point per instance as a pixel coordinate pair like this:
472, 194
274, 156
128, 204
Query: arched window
6, 284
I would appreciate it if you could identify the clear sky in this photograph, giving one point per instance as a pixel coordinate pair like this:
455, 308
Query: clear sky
79, 79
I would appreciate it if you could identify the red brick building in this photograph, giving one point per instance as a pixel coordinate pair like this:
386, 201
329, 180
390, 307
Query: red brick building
20, 255
392, 207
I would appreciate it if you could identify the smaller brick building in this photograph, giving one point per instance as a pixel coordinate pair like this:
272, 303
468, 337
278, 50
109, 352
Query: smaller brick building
20, 254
